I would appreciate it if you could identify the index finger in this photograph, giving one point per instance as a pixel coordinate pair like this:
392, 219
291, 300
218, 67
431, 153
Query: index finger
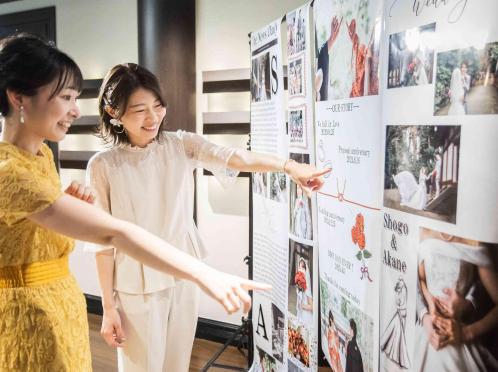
250, 285
245, 298
73, 187
321, 172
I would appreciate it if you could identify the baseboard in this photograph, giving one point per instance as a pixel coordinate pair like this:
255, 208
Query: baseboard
213, 330
207, 329
93, 304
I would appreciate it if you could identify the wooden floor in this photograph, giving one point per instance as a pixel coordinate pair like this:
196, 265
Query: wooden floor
104, 357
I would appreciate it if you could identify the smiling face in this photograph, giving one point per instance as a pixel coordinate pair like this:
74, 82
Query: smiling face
50, 117
302, 265
143, 115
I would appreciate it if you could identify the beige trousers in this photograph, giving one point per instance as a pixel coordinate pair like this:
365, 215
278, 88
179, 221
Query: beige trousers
159, 329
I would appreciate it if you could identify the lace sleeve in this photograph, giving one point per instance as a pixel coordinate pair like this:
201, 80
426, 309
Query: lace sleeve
204, 154
23, 193
97, 179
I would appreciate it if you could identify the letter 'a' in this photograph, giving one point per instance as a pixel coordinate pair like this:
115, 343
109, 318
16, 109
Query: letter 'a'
261, 323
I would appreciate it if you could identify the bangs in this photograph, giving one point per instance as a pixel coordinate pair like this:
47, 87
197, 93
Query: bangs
67, 75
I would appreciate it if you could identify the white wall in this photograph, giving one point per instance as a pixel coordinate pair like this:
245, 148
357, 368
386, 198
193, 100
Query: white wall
97, 34
222, 42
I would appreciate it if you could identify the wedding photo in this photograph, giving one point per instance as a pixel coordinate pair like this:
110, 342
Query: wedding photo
297, 126
296, 31
347, 48
260, 78
421, 170
300, 217
263, 361
411, 57
277, 332
301, 281
456, 322
278, 187
292, 367
467, 81
347, 332
299, 342
259, 183
296, 77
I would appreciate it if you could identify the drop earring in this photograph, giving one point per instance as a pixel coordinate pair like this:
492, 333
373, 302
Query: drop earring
21, 115
116, 124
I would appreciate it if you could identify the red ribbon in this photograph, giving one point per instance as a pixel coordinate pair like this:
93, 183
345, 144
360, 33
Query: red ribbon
365, 273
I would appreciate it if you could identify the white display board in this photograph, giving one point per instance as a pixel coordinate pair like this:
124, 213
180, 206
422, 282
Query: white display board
302, 319
270, 198
403, 101
439, 220
348, 139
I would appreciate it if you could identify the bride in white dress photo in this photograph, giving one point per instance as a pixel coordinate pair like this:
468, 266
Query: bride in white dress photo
457, 93
450, 334
301, 216
413, 194
304, 303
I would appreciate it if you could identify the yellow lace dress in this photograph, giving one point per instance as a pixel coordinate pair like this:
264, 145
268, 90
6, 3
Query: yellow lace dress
43, 320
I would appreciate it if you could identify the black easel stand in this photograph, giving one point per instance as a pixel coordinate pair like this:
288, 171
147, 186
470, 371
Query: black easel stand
243, 334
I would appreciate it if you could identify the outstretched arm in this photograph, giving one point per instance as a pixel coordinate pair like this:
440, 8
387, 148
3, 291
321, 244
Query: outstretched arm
305, 175
335, 27
79, 220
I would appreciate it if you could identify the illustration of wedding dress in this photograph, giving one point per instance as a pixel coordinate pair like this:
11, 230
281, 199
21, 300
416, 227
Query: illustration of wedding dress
413, 194
305, 316
302, 218
457, 92
450, 265
393, 341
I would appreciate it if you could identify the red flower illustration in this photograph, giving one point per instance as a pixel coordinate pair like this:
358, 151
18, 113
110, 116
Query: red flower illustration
358, 231
360, 221
361, 241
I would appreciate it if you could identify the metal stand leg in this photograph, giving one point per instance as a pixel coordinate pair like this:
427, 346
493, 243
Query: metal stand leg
243, 334
242, 330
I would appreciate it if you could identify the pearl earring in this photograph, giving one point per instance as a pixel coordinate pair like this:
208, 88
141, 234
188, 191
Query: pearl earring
21, 115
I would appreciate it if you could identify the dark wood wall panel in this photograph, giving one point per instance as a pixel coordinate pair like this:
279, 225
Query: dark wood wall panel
166, 46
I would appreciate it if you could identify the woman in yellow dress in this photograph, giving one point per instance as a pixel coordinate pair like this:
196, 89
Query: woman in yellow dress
43, 321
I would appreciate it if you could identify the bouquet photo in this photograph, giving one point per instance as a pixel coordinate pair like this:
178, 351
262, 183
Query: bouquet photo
298, 347
300, 281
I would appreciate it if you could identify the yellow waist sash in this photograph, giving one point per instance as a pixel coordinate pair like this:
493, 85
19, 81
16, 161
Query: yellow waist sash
34, 274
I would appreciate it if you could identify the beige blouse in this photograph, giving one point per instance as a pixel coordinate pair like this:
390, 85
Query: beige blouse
153, 187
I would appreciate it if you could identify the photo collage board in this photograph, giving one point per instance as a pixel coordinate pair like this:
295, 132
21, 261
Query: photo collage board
393, 264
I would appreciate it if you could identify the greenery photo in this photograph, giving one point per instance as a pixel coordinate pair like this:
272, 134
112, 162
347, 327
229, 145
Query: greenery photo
467, 81
421, 170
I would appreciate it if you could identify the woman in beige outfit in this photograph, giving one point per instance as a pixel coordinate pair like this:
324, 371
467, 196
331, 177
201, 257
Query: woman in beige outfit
147, 178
